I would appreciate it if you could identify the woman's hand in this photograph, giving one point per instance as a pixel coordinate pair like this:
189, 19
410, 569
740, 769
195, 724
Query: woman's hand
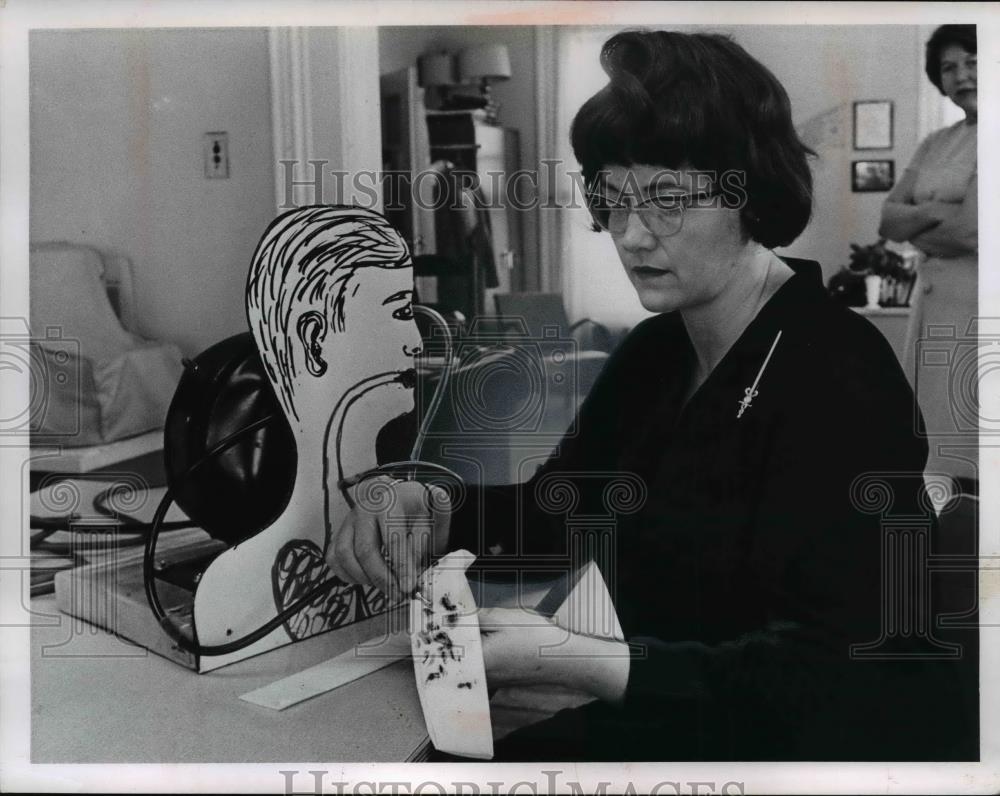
525, 648
390, 535
513, 640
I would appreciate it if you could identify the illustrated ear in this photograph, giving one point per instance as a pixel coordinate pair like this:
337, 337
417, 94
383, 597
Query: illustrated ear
311, 330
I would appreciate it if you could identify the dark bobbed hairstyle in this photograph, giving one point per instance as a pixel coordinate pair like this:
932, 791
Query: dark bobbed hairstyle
946, 35
699, 101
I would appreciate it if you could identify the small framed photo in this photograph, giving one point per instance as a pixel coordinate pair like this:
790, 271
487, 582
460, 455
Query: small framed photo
873, 124
872, 175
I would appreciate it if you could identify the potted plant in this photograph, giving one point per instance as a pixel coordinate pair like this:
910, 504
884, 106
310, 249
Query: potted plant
847, 287
881, 268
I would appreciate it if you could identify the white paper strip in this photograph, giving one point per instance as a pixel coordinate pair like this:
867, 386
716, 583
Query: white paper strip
448, 660
333, 673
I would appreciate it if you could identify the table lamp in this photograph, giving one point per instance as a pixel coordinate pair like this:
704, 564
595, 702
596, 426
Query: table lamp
483, 64
436, 71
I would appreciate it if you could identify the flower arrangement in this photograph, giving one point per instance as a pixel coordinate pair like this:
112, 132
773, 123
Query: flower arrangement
875, 260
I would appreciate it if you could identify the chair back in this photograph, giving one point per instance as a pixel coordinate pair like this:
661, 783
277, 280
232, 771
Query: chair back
958, 537
536, 310
69, 286
955, 604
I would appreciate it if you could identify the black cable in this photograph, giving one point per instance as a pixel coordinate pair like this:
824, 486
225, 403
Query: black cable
192, 645
118, 523
406, 469
131, 524
69, 548
128, 522
149, 571
114, 524
47, 526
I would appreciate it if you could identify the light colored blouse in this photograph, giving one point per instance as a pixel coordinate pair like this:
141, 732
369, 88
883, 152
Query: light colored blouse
945, 164
945, 296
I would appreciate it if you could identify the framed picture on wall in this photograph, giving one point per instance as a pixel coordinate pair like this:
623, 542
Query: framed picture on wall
873, 124
869, 176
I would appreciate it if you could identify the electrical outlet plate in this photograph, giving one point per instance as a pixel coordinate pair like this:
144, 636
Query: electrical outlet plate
216, 151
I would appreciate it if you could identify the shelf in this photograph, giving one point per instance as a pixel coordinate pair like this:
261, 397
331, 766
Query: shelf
882, 311
455, 146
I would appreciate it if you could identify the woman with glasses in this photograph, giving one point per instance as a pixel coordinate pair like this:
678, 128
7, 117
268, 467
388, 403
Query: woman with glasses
935, 207
730, 472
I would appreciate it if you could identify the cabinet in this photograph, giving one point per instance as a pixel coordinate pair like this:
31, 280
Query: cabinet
492, 154
405, 153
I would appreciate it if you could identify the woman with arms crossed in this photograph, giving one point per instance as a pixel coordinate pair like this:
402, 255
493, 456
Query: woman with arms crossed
935, 207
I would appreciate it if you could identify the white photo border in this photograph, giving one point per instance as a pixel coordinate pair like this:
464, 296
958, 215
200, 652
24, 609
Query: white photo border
18, 774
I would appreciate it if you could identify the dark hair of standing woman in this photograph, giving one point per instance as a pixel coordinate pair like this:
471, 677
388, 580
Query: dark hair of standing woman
945, 36
699, 101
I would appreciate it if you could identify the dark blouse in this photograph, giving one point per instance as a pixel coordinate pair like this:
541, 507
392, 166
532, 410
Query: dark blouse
756, 570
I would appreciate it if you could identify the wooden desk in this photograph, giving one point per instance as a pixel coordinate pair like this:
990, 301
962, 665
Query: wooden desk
96, 699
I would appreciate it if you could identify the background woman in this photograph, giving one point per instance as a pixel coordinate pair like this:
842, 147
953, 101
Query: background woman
934, 207
748, 571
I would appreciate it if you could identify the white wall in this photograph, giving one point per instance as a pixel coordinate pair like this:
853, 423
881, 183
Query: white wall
117, 119
827, 68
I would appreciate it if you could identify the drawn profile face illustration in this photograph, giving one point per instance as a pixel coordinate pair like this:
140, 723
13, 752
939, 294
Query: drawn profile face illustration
381, 302
374, 373
329, 302
340, 287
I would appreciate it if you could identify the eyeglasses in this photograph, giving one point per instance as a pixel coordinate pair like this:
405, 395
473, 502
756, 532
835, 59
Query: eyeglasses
662, 214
